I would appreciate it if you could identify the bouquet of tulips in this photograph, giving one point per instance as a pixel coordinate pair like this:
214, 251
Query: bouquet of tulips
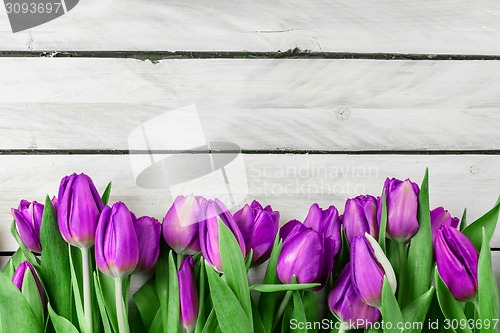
387, 264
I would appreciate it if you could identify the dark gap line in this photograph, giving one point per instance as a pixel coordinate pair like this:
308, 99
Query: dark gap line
296, 53
244, 151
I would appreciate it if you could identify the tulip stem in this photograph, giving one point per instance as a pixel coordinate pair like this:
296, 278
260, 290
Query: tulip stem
282, 308
120, 314
402, 273
87, 298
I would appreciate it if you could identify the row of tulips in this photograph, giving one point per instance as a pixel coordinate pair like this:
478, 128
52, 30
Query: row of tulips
387, 263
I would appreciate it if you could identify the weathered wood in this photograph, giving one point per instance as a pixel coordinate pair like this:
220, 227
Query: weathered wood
290, 183
451, 26
334, 105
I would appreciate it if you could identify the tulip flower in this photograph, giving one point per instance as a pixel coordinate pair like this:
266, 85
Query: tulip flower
181, 225
209, 231
307, 255
402, 205
327, 222
28, 219
440, 216
369, 265
116, 247
148, 231
117, 251
360, 216
26, 271
259, 227
457, 261
346, 303
188, 295
79, 207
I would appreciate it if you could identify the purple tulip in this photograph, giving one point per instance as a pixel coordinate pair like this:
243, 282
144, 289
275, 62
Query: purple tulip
326, 222
307, 255
259, 227
346, 303
20, 275
188, 295
28, 219
440, 216
457, 261
181, 225
369, 265
360, 216
148, 231
209, 231
116, 246
402, 206
79, 207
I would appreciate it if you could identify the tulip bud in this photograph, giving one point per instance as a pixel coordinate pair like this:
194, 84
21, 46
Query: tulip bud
360, 216
79, 207
181, 225
116, 246
327, 222
457, 261
307, 255
188, 295
259, 227
440, 216
209, 231
148, 231
24, 272
346, 303
28, 219
369, 265
402, 206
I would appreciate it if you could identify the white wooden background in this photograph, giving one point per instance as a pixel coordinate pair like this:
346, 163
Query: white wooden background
390, 87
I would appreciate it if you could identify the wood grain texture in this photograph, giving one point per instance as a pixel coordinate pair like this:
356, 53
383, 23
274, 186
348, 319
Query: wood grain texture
451, 26
334, 105
290, 183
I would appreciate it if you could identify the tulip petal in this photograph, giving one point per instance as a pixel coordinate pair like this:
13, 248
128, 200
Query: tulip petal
262, 239
180, 225
148, 231
402, 205
188, 294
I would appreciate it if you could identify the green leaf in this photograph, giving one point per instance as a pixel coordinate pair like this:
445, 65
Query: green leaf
173, 295
391, 313
230, 315
27, 253
298, 313
11, 265
285, 321
233, 263
419, 265
271, 288
489, 221
32, 295
107, 286
147, 302
310, 300
258, 327
267, 301
105, 195
61, 324
55, 262
77, 296
156, 325
15, 313
211, 325
162, 275
101, 304
417, 310
248, 259
463, 221
383, 222
487, 293
451, 308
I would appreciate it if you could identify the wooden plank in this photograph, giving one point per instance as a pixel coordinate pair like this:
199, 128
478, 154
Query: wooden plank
334, 105
450, 26
290, 183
